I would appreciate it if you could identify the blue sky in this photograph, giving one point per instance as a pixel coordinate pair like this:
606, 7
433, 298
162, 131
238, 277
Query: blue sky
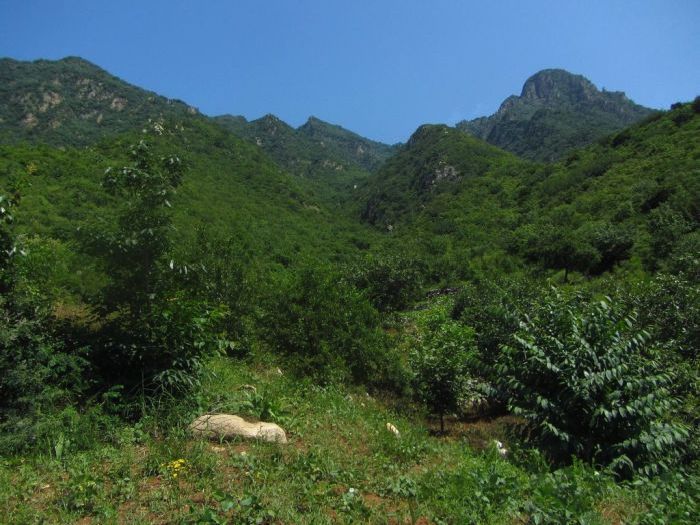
380, 68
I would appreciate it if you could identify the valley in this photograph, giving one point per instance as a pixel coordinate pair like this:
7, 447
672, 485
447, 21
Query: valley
492, 322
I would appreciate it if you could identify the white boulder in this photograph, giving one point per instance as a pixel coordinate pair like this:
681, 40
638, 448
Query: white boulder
227, 426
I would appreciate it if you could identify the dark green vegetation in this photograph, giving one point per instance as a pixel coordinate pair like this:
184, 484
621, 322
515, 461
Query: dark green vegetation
335, 159
555, 113
460, 293
315, 149
471, 207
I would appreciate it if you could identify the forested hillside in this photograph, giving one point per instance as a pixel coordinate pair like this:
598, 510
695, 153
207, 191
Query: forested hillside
616, 202
315, 148
336, 159
444, 331
71, 102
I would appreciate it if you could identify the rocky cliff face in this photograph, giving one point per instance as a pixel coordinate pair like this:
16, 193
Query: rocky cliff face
558, 85
556, 111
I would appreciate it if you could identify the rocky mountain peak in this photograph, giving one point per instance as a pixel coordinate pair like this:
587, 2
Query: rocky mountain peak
558, 84
556, 111
426, 131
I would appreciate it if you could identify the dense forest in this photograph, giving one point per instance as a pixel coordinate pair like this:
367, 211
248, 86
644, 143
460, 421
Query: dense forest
448, 331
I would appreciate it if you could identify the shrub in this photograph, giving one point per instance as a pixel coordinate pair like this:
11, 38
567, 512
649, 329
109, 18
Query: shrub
38, 370
582, 378
328, 329
669, 306
225, 274
7, 242
38, 373
493, 309
389, 282
166, 352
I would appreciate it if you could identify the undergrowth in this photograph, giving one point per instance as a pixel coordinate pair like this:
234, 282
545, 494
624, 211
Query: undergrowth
341, 465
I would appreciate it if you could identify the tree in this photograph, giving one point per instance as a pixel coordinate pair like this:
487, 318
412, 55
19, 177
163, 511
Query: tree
153, 332
558, 247
133, 253
7, 241
440, 366
389, 282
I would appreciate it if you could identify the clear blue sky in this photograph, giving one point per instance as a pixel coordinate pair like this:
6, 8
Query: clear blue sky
377, 67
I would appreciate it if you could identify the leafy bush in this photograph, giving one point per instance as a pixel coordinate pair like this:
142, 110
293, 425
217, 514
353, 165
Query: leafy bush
584, 381
666, 226
669, 306
174, 338
390, 282
7, 242
568, 495
329, 330
493, 309
221, 271
39, 372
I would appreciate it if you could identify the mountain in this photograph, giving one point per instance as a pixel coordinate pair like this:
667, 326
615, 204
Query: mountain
436, 160
62, 123
332, 158
556, 112
71, 102
462, 202
366, 153
315, 149
74, 102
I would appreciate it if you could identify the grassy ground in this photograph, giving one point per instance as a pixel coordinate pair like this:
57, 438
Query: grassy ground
341, 465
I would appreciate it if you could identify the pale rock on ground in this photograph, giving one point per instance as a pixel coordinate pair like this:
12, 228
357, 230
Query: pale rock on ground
391, 428
227, 426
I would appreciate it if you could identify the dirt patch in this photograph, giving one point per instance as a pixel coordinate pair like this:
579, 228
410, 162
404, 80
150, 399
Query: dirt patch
241, 448
373, 500
339, 490
618, 512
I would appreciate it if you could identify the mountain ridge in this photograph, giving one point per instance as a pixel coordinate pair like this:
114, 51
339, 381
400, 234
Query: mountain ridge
556, 112
72, 101
330, 145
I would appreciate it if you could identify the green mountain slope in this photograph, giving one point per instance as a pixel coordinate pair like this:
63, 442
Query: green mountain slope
631, 197
73, 102
332, 159
555, 112
436, 161
231, 190
346, 145
232, 186
316, 148
336, 159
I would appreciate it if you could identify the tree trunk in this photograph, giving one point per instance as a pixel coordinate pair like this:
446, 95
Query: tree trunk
442, 423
